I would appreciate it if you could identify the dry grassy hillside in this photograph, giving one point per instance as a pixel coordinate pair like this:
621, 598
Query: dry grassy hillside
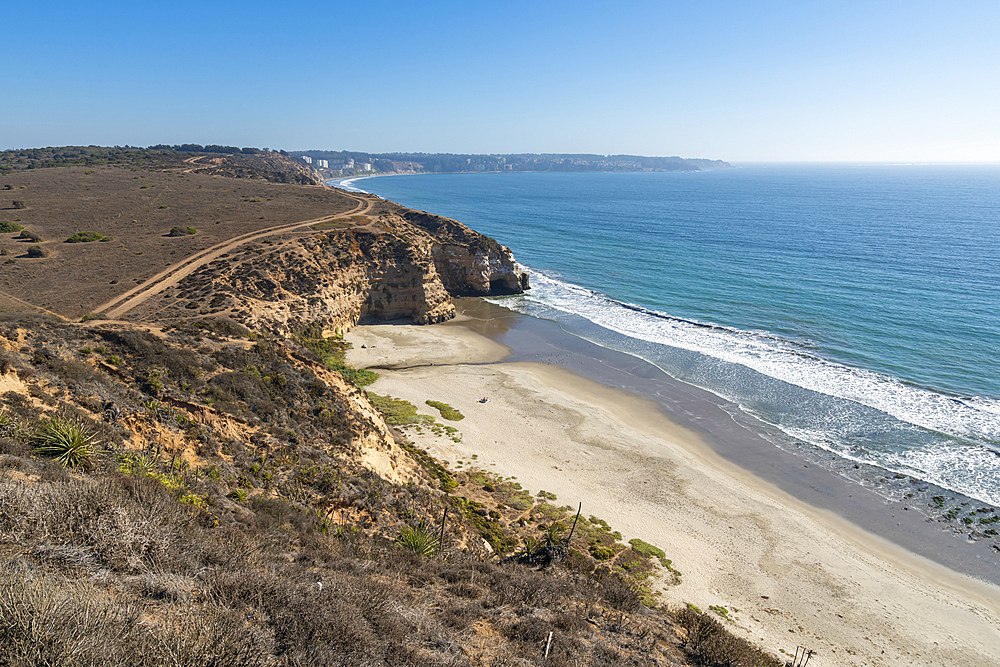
186, 489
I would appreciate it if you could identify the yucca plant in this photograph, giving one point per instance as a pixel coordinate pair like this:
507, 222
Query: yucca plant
420, 538
66, 441
554, 534
530, 546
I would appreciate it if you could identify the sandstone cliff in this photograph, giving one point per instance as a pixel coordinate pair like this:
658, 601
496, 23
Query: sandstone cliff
393, 263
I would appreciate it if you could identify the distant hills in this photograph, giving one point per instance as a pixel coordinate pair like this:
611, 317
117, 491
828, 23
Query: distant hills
454, 162
268, 163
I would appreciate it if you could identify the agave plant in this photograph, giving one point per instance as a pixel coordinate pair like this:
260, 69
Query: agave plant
68, 442
420, 538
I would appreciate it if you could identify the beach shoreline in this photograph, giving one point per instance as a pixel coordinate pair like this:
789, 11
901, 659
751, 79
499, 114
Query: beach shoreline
792, 570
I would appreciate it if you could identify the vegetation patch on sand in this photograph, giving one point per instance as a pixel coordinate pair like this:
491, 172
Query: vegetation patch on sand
331, 352
447, 412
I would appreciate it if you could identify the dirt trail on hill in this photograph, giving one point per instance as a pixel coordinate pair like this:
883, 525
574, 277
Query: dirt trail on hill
173, 274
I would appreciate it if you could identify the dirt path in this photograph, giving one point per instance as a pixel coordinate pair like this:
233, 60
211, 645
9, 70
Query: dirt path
6, 295
173, 274
192, 160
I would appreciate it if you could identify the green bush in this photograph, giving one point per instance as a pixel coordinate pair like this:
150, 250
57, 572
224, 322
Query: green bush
447, 412
331, 351
37, 251
8, 227
66, 441
29, 235
84, 237
134, 463
395, 410
182, 231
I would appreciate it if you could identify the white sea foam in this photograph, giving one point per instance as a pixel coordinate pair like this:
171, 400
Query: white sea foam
348, 184
976, 418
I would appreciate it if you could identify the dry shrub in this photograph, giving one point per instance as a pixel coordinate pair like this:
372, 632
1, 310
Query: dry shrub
461, 616
570, 622
75, 625
709, 643
465, 590
618, 592
129, 524
165, 586
211, 636
49, 621
512, 584
529, 630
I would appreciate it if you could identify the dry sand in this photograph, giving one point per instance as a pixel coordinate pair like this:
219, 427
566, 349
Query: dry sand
789, 573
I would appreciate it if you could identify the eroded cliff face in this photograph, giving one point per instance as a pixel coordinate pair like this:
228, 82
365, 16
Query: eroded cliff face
469, 263
394, 263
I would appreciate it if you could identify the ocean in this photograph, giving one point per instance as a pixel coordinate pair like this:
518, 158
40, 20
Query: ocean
850, 314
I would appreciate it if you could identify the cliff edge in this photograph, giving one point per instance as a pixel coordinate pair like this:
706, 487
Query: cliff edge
390, 263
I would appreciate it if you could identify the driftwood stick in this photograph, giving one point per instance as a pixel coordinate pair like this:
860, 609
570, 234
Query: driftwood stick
577, 518
548, 645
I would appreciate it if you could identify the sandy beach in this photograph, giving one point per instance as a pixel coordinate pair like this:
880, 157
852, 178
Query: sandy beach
789, 572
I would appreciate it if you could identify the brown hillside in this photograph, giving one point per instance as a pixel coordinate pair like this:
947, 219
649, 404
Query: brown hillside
195, 477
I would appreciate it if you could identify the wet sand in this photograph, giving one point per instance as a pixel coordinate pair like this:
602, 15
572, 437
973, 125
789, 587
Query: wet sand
798, 555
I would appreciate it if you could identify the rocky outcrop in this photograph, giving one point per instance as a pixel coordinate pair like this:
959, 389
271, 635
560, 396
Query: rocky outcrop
469, 263
401, 264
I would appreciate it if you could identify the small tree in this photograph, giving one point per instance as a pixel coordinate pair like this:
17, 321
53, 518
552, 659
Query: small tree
19, 203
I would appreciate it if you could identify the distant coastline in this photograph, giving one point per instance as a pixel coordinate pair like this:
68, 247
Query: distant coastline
350, 163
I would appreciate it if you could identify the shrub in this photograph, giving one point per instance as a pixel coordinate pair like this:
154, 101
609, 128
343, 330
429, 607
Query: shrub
133, 463
712, 644
182, 231
37, 251
447, 412
395, 410
84, 237
8, 227
29, 235
19, 204
331, 352
68, 442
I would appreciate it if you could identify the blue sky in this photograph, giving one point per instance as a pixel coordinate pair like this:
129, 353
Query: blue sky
740, 81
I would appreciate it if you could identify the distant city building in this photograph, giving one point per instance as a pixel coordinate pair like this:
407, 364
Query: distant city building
322, 164
307, 159
367, 166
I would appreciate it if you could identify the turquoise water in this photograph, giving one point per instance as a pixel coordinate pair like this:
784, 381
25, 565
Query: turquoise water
847, 310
